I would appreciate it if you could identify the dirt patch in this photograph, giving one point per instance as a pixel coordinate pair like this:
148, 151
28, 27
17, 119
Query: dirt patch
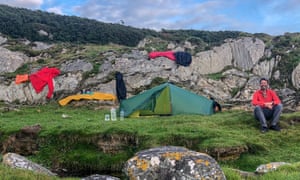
24, 142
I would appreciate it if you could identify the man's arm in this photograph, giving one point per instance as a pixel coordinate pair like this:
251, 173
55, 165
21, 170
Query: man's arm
256, 101
276, 99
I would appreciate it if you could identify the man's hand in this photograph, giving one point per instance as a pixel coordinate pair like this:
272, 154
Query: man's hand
269, 105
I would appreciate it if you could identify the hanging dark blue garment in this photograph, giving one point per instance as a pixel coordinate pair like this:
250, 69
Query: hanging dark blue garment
183, 58
120, 86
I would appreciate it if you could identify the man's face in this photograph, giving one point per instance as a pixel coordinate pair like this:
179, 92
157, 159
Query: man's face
263, 85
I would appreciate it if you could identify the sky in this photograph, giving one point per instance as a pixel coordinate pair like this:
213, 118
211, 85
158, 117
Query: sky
273, 17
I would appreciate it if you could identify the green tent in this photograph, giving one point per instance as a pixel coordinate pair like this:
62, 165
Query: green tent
166, 99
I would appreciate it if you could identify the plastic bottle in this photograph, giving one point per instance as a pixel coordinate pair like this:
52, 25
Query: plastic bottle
121, 115
113, 114
106, 117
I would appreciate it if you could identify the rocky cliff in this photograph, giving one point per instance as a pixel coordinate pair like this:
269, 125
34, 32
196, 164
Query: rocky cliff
229, 72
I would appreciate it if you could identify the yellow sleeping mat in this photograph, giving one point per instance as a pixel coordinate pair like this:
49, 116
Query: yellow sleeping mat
92, 96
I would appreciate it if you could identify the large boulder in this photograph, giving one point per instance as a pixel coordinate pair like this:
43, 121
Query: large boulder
100, 177
14, 160
171, 162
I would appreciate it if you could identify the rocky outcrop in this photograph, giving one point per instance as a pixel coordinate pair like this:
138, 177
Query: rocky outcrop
22, 93
239, 62
171, 162
11, 61
38, 46
247, 52
2, 39
242, 53
77, 65
296, 77
265, 68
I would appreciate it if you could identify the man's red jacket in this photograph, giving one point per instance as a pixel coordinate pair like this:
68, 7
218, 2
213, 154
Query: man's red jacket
43, 77
259, 99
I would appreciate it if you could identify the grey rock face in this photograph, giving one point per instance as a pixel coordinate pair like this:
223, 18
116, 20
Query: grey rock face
2, 39
246, 52
41, 46
77, 65
22, 93
296, 77
11, 61
242, 53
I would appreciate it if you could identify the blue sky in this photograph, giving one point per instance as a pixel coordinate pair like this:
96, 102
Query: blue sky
274, 17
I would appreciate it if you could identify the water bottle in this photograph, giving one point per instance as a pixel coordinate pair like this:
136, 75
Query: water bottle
113, 114
106, 117
121, 114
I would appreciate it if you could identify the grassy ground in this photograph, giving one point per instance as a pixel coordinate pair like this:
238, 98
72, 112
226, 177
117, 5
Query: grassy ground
65, 139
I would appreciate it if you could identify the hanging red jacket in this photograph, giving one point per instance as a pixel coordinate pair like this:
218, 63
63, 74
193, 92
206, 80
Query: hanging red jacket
42, 78
167, 54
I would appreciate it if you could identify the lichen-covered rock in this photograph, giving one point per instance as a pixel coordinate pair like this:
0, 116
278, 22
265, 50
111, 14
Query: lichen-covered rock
171, 162
264, 168
17, 161
100, 177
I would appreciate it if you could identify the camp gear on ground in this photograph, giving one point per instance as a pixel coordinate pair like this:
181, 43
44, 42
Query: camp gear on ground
94, 95
166, 99
121, 115
106, 117
113, 114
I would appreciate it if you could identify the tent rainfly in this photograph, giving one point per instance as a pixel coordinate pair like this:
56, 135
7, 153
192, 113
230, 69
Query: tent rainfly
166, 99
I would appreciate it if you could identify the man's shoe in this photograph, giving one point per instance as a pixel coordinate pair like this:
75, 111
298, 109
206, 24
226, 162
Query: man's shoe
264, 130
275, 128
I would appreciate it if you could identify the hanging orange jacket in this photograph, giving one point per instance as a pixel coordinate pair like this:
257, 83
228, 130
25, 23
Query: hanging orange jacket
20, 78
42, 78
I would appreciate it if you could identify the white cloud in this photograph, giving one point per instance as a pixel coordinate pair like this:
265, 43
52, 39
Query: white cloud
153, 14
56, 10
30, 4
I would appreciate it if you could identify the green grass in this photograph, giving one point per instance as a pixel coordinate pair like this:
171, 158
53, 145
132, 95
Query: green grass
71, 142
7, 173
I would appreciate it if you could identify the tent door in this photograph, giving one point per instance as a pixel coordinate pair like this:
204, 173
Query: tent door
163, 104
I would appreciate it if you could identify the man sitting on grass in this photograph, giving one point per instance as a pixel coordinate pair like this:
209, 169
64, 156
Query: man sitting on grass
267, 106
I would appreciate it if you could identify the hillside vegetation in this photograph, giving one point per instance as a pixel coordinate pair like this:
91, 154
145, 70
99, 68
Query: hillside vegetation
25, 23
